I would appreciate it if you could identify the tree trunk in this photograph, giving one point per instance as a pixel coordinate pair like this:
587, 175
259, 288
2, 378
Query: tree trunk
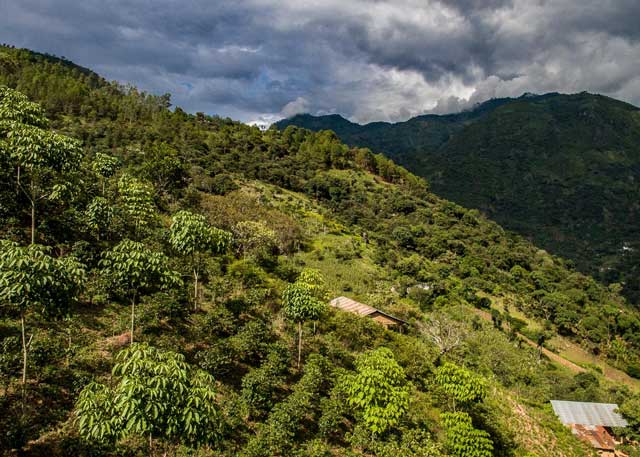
299, 342
133, 315
195, 289
24, 351
33, 210
33, 222
24, 362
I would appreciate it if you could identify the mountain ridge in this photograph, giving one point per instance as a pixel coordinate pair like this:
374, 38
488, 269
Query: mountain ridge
485, 105
583, 147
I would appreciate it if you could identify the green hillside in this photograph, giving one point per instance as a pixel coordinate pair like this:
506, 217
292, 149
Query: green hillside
213, 247
562, 170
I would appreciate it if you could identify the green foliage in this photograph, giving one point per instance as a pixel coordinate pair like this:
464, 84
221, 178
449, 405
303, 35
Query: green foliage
156, 394
413, 443
42, 159
460, 384
190, 233
105, 165
630, 409
16, 107
260, 385
254, 238
36, 150
378, 390
300, 302
132, 267
222, 184
136, 200
496, 158
99, 215
164, 168
463, 440
287, 418
31, 279
315, 281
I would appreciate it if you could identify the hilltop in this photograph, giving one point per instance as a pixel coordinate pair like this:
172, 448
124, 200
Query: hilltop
282, 218
561, 170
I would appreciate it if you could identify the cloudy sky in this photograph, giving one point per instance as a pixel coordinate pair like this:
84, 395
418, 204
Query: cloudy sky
365, 59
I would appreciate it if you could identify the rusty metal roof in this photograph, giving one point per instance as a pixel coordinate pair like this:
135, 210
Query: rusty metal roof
596, 435
352, 306
584, 413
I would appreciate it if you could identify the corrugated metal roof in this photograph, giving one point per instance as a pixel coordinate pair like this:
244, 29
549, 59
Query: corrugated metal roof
596, 435
352, 306
584, 413
347, 304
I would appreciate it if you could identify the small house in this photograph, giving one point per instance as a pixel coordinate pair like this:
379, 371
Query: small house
354, 307
591, 422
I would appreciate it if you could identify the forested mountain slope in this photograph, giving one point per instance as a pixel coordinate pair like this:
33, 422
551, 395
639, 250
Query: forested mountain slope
562, 170
213, 247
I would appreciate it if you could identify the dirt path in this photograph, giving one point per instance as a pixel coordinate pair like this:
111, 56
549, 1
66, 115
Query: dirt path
551, 355
609, 373
555, 357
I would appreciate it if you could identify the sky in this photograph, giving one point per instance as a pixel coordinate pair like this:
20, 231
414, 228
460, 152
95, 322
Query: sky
368, 60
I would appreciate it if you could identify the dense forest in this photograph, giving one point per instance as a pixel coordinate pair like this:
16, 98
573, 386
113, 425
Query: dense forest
164, 280
561, 170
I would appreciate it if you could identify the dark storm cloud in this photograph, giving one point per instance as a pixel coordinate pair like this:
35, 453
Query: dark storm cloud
367, 59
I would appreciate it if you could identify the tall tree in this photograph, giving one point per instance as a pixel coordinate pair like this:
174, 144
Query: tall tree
105, 166
378, 390
156, 394
136, 200
304, 300
43, 159
134, 269
98, 215
192, 236
32, 280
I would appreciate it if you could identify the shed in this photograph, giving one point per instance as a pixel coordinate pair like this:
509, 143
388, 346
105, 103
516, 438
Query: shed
590, 422
352, 306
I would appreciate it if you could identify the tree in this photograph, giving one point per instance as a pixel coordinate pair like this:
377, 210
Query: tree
136, 198
41, 156
316, 282
461, 385
254, 237
303, 300
164, 168
379, 389
98, 215
463, 440
630, 409
134, 269
276, 435
191, 236
155, 394
446, 333
31, 279
105, 166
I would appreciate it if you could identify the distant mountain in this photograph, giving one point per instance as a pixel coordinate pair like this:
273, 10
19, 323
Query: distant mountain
563, 170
